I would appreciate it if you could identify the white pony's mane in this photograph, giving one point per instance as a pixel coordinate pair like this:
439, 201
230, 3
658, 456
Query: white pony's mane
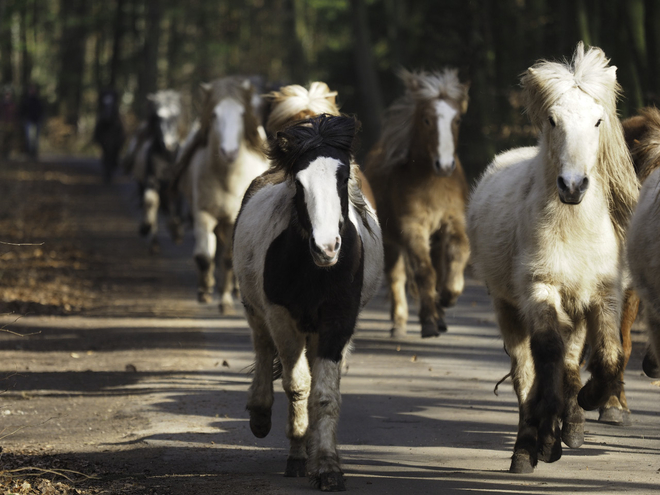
545, 82
421, 86
294, 102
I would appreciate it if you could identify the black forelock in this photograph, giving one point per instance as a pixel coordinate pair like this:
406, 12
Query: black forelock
324, 133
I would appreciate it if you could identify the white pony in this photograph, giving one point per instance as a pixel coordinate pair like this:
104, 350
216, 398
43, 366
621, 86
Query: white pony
308, 256
217, 177
547, 231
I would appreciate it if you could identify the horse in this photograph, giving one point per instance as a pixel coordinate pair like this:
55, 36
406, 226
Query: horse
109, 131
421, 192
152, 153
643, 138
547, 231
294, 102
308, 256
644, 262
642, 134
226, 154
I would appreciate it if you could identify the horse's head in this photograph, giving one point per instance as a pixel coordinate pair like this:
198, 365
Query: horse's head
436, 134
574, 107
232, 119
440, 100
316, 156
166, 115
573, 137
108, 104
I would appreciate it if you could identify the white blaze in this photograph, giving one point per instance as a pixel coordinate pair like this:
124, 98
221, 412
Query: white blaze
319, 180
446, 114
229, 122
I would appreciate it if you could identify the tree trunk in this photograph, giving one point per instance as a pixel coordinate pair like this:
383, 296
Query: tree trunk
149, 72
6, 70
296, 60
26, 61
116, 44
72, 59
650, 25
368, 88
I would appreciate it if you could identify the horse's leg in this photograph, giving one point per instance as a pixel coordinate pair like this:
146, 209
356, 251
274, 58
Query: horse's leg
456, 253
226, 276
205, 249
260, 394
606, 360
651, 359
572, 432
419, 251
516, 342
616, 409
395, 269
149, 227
548, 324
296, 380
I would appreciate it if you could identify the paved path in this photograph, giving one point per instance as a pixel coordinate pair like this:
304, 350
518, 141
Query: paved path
151, 387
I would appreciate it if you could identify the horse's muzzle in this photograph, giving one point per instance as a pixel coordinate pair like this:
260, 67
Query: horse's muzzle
444, 170
572, 190
324, 257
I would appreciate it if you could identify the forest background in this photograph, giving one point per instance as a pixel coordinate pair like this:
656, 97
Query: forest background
74, 48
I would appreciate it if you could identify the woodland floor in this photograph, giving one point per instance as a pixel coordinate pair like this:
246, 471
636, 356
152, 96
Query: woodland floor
116, 381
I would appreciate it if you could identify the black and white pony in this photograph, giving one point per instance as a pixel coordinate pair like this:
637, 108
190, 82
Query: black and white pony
109, 131
308, 256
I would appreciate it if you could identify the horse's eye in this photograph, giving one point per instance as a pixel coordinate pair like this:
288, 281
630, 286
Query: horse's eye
552, 121
599, 121
427, 121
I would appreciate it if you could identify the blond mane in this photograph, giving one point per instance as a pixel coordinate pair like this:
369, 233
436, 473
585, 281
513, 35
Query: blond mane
293, 103
545, 82
646, 150
421, 86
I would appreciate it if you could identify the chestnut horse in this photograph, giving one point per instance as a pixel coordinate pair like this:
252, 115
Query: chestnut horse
421, 192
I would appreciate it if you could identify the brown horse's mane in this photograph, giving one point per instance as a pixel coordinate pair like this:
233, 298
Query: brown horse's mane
422, 87
643, 138
240, 89
545, 82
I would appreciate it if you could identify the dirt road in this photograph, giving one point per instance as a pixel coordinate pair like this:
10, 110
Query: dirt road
119, 374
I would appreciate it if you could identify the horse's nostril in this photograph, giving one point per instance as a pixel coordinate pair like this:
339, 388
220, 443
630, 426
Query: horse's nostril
561, 184
336, 246
584, 184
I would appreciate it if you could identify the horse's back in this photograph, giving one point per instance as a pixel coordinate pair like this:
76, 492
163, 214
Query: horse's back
493, 213
372, 249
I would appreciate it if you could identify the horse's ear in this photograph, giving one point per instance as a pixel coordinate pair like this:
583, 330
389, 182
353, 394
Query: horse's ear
205, 87
611, 72
466, 99
410, 80
151, 97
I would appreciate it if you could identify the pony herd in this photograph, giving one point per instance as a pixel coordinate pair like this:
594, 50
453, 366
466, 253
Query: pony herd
282, 211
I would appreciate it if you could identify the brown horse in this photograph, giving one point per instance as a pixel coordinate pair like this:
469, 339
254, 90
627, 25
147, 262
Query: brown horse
421, 193
642, 133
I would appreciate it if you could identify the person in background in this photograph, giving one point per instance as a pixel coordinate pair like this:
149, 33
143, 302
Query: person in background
8, 122
31, 111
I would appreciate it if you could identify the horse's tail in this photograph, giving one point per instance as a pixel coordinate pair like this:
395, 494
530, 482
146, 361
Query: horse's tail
277, 368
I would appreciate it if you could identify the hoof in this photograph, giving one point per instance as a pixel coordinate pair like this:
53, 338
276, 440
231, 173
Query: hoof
573, 434
442, 326
260, 423
429, 329
332, 482
589, 398
521, 463
550, 452
295, 468
398, 333
650, 365
227, 309
626, 417
448, 299
145, 228
611, 415
204, 297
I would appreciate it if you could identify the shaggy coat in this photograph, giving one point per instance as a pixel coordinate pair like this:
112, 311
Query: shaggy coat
547, 231
421, 192
307, 263
227, 156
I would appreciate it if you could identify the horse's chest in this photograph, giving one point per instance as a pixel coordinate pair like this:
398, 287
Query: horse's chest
311, 294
